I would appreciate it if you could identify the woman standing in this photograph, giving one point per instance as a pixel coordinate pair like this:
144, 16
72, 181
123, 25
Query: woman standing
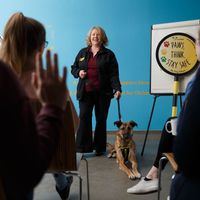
96, 68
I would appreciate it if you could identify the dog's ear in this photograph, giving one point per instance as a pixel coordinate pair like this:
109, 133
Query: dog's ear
118, 123
132, 123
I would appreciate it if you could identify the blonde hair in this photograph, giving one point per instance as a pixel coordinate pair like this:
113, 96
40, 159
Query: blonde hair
22, 37
103, 36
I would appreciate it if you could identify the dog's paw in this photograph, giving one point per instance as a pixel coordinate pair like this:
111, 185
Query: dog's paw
131, 176
114, 155
137, 175
109, 155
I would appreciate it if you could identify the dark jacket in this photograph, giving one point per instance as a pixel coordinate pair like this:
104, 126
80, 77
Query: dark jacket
187, 142
107, 67
26, 145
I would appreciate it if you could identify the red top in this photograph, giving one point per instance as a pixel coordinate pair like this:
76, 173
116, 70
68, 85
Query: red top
92, 74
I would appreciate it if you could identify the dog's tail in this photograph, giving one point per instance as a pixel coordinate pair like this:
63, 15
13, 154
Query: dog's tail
111, 150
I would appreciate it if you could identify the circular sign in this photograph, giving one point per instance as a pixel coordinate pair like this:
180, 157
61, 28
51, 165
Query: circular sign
176, 54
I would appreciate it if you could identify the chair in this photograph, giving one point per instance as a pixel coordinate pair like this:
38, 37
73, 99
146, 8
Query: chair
81, 157
170, 158
66, 160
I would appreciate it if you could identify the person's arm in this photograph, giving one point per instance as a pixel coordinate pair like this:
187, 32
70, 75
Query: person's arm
114, 74
27, 145
79, 67
75, 69
187, 142
52, 92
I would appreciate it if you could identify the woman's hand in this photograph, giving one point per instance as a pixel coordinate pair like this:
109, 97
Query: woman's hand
82, 74
49, 87
117, 95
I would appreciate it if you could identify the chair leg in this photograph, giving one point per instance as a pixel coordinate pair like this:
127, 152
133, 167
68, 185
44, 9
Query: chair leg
87, 178
80, 181
159, 175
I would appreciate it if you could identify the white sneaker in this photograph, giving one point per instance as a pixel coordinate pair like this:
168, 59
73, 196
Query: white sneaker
144, 186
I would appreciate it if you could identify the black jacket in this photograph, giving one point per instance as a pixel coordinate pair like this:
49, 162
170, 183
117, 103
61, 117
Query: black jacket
187, 142
107, 67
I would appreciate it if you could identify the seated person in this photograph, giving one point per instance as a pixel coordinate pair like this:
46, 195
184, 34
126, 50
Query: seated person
32, 36
186, 184
28, 144
149, 183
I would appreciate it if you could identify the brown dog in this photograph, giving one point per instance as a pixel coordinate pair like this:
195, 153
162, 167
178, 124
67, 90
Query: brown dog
125, 149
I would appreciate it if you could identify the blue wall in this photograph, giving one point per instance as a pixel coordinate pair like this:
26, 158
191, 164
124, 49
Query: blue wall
128, 26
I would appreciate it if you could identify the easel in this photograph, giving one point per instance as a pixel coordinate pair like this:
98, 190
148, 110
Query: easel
165, 58
150, 118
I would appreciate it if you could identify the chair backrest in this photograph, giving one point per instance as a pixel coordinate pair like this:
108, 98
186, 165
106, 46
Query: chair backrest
171, 159
64, 158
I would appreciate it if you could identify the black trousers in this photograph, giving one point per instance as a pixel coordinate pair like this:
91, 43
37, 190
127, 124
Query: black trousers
84, 139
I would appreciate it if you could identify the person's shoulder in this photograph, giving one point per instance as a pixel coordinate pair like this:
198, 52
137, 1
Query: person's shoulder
84, 49
107, 50
82, 52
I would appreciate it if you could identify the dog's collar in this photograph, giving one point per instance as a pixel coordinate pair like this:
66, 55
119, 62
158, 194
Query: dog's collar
124, 146
125, 152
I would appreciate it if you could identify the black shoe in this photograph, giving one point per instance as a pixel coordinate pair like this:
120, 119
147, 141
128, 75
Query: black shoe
64, 194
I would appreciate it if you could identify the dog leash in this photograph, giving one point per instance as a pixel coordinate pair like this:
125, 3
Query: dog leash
119, 113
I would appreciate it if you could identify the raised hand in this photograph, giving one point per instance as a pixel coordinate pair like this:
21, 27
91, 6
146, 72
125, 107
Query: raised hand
49, 87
